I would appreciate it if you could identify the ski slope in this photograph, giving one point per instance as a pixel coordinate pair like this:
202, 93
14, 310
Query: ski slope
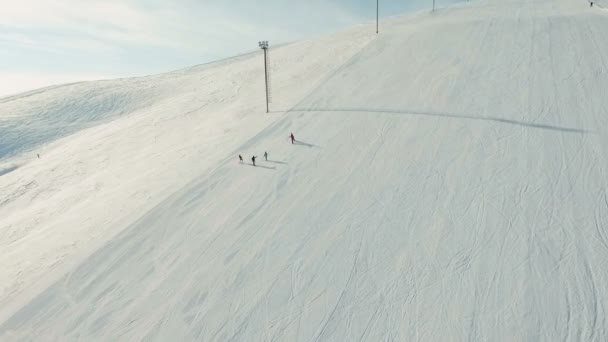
448, 184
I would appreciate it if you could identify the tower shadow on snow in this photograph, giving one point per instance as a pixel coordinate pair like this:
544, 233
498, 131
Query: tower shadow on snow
449, 115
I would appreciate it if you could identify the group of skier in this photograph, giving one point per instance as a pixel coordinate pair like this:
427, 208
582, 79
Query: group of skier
293, 139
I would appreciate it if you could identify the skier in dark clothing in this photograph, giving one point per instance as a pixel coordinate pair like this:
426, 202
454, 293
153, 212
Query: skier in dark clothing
292, 138
266, 156
253, 160
240, 159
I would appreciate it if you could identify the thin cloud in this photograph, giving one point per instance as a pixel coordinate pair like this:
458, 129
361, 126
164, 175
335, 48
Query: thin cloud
133, 37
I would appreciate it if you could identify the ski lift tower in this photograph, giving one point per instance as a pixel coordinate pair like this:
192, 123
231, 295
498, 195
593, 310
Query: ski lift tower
264, 46
377, 14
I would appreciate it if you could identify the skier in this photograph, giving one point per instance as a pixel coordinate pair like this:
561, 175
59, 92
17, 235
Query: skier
253, 160
240, 159
266, 156
292, 138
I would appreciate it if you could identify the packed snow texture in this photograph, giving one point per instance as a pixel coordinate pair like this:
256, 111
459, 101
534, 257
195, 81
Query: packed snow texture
600, 3
448, 183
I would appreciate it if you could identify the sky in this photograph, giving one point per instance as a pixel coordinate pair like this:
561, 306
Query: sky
46, 42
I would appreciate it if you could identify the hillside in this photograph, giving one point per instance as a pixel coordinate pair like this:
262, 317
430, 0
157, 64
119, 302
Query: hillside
448, 183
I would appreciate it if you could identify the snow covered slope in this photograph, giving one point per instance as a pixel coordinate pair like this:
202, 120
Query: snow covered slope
448, 183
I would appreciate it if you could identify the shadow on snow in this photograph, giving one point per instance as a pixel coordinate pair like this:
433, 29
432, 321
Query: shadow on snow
8, 170
262, 166
301, 143
448, 115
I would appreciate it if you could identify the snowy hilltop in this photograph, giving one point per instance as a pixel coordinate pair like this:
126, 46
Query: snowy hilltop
447, 181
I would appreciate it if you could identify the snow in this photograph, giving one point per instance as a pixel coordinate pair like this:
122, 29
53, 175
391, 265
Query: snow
448, 183
601, 3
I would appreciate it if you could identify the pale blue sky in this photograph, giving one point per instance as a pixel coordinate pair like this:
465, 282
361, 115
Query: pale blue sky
44, 42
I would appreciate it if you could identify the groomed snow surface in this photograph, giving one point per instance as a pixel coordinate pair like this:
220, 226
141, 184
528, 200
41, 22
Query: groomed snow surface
449, 183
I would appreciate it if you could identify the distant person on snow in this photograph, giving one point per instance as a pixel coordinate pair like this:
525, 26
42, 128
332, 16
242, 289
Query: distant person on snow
253, 160
266, 156
591, 4
292, 138
240, 159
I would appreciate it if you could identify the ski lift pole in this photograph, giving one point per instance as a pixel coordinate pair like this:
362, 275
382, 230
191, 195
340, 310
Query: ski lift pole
264, 46
377, 14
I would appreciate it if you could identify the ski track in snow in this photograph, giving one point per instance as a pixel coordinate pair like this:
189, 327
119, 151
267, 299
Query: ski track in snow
449, 183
